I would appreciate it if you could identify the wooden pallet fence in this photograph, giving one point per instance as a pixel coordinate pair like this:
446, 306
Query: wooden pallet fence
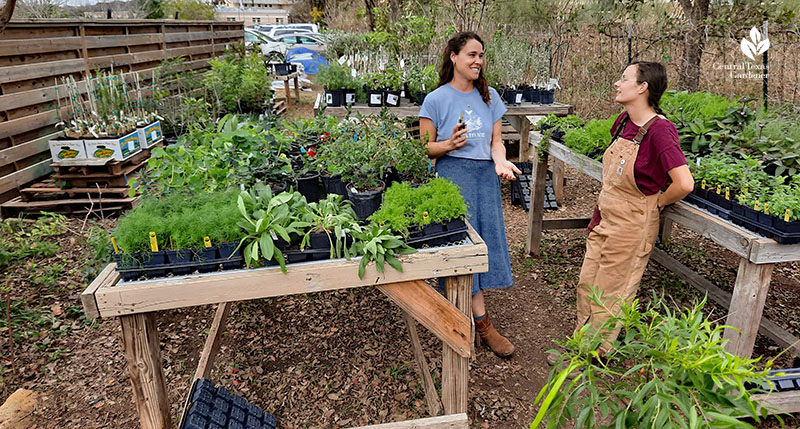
36, 54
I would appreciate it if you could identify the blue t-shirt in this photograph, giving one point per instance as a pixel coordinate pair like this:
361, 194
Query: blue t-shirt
445, 104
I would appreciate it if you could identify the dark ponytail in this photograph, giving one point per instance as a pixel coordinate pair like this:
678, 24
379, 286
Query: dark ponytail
454, 45
655, 74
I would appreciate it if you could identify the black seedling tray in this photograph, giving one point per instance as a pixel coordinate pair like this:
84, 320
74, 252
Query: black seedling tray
521, 188
211, 407
436, 235
788, 381
754, 225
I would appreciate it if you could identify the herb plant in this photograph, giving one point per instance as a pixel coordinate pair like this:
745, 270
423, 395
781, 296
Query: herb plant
377, 243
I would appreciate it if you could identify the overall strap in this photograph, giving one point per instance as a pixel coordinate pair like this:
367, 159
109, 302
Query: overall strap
620, 126
643, 130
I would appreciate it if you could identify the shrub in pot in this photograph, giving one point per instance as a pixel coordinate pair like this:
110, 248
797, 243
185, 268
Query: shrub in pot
421, 81
338, 82
392, 84
373, 84
332, 221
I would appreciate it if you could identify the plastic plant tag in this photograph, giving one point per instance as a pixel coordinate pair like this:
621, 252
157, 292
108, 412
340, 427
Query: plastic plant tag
206, 241
391, 99
766, 208
518, 98
342, 60
350, 98
153, 242
274, 236
786, 215
703, 184
727, 193
719, 189
756, 206
116, 249
375, 99
328, 98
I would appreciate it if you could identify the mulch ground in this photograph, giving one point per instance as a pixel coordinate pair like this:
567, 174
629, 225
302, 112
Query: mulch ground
335, 359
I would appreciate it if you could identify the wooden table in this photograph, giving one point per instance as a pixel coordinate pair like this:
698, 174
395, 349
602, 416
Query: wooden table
449, 318
757, 255
519, 116
286, 79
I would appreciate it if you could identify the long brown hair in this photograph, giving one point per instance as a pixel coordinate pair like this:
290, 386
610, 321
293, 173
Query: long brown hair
655, 74
454, 45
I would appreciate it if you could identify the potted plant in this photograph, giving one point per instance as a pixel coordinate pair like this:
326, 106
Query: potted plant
373, 83
421, 81
411, 159
508, 59
378, 244
392, 84
338, 83
332, 222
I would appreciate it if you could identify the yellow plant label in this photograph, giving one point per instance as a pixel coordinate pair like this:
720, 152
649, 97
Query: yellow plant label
153, 242
206, 241
766, 208
786, 215
719, 189
727, 193
703, 184
116, 249
755, 207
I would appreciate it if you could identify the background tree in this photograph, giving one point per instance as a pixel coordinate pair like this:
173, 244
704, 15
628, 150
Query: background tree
189, 9
40, 9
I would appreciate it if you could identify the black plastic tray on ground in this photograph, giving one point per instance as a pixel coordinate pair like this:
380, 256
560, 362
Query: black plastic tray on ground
788, 380
521, 188
437, 234
211, 407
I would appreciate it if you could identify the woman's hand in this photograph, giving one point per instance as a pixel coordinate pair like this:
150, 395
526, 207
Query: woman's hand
457, 138
506, 169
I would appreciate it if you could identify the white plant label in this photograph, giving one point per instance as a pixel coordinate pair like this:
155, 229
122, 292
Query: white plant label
518, 98
391, 99
342, 60
154, 135
329, 98
375, 99
274, 236
350, 98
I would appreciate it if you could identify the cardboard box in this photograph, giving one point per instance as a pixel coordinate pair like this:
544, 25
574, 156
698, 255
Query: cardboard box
119, 149
67, 149
150, 134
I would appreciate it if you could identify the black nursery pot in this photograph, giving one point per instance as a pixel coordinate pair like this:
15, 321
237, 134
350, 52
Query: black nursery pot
536, 95
765, 219
334, 98
366, 203
155, 259
527, 93
277, 187
206, 254
421, 97
127, 264
349, 96
548, 96
512, 96
182, 257
375, 98
334, 185
231, 260
320, 240
432, 228
786, 227
700, 192
391, 98
309, 187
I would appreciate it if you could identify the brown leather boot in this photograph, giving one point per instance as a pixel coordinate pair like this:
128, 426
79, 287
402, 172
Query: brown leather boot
487, 334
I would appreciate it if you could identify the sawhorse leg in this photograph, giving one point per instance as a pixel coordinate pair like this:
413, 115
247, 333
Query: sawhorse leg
288, 93
296, 89
140, 341
536, 213
455, 368
747, 305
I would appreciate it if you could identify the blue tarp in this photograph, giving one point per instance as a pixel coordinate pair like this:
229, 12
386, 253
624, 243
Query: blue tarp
310, 60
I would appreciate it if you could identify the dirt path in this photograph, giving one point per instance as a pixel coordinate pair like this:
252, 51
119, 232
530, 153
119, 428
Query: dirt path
335, 359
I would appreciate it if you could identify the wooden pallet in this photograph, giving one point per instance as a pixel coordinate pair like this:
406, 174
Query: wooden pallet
69, 206
49, 189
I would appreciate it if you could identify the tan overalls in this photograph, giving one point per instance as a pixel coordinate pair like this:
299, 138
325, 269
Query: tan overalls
618, 248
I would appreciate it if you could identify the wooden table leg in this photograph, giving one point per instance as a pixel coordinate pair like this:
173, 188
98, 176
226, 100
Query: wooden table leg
288, 93
431, 397
524, 137
296, 89
455, 368
558, 179
666, 230
747, 305
140, 341
536, 212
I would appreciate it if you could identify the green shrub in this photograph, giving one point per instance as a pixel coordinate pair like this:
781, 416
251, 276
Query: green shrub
437, 201
592, 139
669, 368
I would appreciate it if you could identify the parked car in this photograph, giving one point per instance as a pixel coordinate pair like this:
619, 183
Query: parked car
306, 40
271, 48
272, 29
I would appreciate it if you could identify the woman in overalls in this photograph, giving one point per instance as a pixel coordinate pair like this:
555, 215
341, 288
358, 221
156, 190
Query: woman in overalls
644, 159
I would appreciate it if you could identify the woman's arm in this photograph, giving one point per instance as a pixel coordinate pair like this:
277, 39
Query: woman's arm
503, 167
427, 132
682, 185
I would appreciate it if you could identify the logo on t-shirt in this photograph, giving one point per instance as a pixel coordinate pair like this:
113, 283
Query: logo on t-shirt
473, 123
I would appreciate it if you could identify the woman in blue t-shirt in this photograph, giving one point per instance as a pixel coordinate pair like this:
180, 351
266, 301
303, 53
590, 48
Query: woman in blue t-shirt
472, 155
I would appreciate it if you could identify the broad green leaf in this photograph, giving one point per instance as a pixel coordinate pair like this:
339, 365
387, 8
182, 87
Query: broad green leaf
267, 246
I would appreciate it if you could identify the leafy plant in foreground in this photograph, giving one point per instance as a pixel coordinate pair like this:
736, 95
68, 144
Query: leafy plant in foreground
669, 369
378, 244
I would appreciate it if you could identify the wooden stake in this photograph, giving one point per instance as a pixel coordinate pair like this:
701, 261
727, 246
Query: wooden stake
431, 397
